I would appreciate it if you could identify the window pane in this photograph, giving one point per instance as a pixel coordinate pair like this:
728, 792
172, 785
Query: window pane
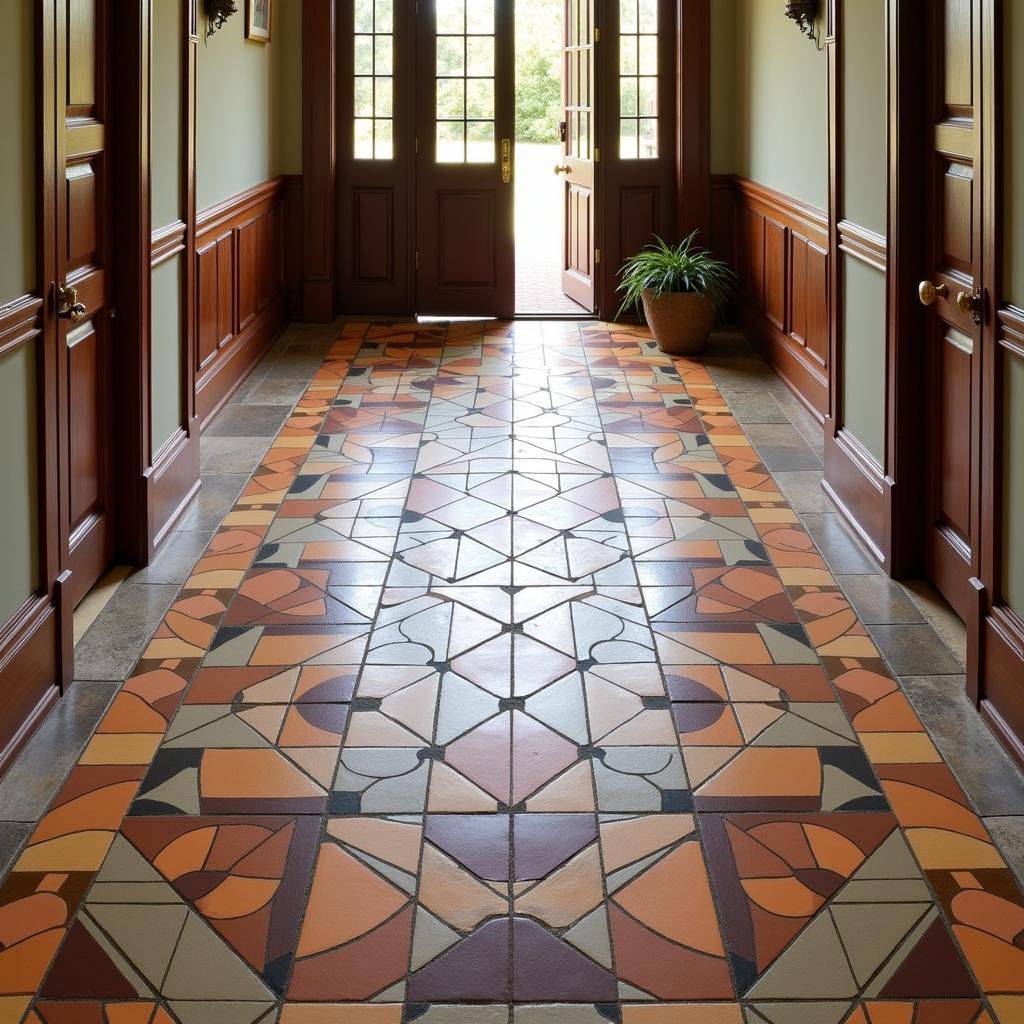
648, 15
480, 142
364, 55
384, 98
364, 139
451, 56
648, 138
384, 143
450, 99
480, 17
364, 97
628, 139
384, 56
628, 97
648, 97
480, 56
480, 98
648, 64
628, 16
451, 16
385, 17
364, 15
451, 142
628, 61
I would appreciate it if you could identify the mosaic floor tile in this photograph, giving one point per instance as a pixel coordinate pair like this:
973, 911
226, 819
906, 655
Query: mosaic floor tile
510, 691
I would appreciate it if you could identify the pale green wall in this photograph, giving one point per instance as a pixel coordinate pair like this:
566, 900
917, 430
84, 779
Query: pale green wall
865, 174
19, 506
863, 398
1013, 441
865, 200
1013, 34
248, 113
781, 103
168, 37
168, 208
723, 87
165, 360
17, 153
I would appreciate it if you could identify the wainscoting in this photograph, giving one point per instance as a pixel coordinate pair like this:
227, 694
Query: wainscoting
242, 294
779, 248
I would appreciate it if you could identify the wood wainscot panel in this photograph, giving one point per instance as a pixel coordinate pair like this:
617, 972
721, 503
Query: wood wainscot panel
780, 250
999, 669
242, 298
858, 486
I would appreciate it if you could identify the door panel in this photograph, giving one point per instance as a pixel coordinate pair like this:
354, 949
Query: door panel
83, 242
952, 371
578, 157
465, 123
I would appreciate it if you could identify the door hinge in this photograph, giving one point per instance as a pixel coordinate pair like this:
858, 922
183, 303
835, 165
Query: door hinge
597, 155
416, 144
597, 257
597, 35
417, 261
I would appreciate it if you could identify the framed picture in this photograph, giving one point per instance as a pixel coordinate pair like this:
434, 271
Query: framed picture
257, 20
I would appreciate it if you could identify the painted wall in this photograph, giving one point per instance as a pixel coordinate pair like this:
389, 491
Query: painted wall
168, 207
781, 104
865, 201
1013, 286
723, 87
19, 495
17, 160
248, 112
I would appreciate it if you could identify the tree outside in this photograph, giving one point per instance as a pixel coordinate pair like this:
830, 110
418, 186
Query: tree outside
538, 70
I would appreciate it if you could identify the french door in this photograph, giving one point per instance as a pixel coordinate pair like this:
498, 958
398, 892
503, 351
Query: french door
426, 151
465, 131
578, 165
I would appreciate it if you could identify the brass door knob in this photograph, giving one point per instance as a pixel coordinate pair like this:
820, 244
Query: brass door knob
68, 306
969, 303
559, 169
929, 292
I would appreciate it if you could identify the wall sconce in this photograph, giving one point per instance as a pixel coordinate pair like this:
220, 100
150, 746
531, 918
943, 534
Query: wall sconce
218, 12
804, 13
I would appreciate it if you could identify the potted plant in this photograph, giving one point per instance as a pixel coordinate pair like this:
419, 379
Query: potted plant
681, 288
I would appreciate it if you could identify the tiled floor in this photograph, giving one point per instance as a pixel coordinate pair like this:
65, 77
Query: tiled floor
513, 688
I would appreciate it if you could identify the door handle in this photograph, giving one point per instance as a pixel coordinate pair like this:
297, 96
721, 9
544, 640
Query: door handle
929, 292
562, 169
506, 161
971, 304
68, 306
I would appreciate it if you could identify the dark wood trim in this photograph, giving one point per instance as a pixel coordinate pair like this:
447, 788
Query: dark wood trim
693, 103
29, 672
293, 232
20, 322
172, 482
224, 213
863, 244
167, 242
319, 160
859, 489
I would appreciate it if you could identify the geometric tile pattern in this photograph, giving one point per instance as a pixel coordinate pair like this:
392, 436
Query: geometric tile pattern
511, 690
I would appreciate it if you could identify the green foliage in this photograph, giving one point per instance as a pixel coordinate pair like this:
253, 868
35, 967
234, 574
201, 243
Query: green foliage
675, 268
538, 70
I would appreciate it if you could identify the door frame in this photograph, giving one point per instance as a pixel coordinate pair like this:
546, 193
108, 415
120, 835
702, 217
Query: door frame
995, 633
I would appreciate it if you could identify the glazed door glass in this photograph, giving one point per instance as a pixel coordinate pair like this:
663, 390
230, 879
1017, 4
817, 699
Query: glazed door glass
578, 165
465, 246
638, 79
373, 80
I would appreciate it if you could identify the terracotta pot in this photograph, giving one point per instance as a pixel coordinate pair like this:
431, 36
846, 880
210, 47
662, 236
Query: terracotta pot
681, 322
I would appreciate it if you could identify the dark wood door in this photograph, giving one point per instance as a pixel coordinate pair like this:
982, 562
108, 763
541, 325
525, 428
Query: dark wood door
951, 363
465, 241
82, 290
579, 245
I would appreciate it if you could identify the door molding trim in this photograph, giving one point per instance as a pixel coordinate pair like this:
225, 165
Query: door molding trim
693, 121
319, 159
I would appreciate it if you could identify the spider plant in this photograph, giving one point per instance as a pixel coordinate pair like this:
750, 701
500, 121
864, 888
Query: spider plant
685, 267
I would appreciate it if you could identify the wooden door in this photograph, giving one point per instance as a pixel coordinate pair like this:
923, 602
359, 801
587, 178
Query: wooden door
951, 288
465, 241
579, 243
82, 290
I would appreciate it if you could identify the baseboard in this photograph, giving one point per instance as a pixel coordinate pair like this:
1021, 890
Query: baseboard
29, 673
861, 492
171, 483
